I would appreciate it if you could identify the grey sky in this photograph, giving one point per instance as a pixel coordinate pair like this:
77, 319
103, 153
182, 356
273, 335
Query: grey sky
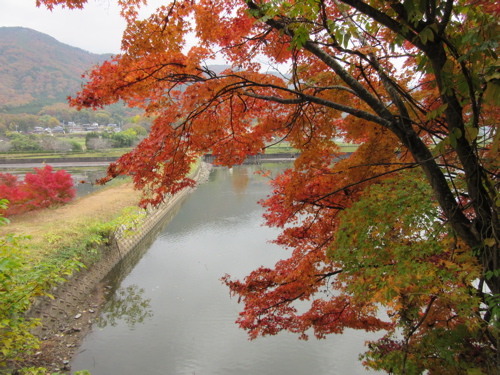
97, 28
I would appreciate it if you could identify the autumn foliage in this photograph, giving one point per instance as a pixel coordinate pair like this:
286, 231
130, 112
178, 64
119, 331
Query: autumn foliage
41, 189
401, 236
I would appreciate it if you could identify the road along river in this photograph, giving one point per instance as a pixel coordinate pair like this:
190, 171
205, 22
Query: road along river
168, 313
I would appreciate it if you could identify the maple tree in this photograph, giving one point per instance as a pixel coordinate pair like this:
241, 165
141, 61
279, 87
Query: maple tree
42, 189
414, 83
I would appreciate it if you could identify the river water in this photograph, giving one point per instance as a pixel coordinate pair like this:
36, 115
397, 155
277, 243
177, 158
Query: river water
169, 314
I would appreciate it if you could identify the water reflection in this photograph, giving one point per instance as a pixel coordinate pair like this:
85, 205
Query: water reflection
191, 329
128, 305
240, 179
85, 178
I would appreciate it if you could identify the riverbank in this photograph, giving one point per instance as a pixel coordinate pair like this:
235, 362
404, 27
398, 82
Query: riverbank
68, 317
58, 347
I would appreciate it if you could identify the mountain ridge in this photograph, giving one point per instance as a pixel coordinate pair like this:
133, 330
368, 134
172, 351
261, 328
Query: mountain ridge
35, 67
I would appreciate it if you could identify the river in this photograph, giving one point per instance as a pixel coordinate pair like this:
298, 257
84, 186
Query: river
169, 314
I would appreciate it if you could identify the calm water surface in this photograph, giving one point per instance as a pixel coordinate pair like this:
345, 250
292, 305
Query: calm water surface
168, 312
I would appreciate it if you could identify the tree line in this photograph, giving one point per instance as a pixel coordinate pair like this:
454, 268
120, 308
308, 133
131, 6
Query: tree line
102, 140
60, 114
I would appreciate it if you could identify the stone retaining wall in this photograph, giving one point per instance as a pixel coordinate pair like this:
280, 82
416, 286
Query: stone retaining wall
58, 313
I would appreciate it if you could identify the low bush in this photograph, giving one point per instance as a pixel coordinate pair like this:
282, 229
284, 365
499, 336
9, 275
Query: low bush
42, 189
20, 282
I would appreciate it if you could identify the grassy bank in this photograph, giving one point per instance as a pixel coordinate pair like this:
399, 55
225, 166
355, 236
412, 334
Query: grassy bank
284, 147
54, 228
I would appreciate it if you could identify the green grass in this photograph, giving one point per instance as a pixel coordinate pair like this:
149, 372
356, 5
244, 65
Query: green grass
347, 147
284, 147
280, 148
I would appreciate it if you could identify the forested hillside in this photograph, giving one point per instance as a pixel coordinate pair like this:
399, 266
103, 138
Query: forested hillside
37, 70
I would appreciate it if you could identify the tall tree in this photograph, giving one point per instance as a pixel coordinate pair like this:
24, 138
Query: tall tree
414, 83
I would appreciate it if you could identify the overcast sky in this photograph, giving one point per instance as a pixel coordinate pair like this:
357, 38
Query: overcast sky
97, 28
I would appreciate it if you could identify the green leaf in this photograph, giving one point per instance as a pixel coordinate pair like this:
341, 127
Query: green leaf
339, 36
492, 92
448, 67
432, 115
490, 242
471, 133
427, 34
494, 273
453, 136
440, 148
347, 37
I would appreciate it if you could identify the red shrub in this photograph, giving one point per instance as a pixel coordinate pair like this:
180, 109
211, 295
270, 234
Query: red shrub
12, 190
41, 189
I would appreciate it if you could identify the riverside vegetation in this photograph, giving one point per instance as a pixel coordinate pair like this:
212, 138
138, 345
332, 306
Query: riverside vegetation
42, 248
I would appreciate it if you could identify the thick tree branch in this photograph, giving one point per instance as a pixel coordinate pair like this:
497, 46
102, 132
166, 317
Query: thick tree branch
303, 98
